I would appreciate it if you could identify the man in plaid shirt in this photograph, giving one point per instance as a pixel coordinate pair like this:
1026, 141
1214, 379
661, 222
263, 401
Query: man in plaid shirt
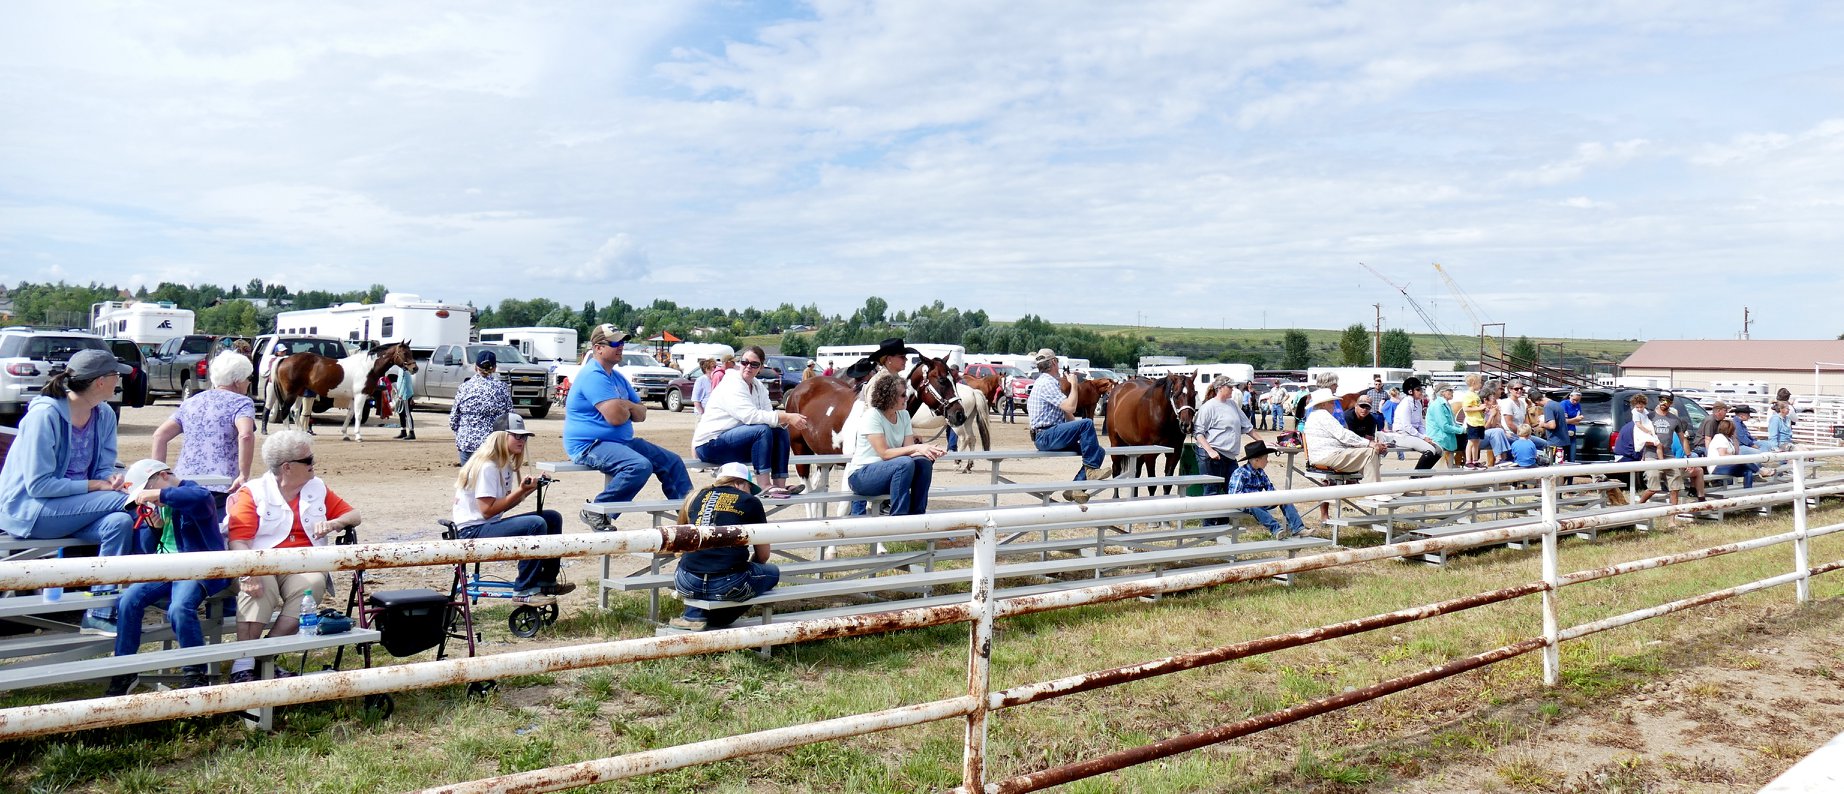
1252, 477
1055, 426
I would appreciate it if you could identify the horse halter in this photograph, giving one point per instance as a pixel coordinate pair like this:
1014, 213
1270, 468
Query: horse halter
931, 390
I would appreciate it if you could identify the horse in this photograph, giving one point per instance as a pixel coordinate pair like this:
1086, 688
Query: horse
826, 401
1143, 411
977, 425
1089, 394
347, 381
989, 386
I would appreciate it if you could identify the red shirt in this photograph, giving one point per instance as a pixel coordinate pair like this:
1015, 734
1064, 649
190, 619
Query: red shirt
243, 518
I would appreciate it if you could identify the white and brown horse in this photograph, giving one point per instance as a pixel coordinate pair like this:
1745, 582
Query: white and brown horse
311, 378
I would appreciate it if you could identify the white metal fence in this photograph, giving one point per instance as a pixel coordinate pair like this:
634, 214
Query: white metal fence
980, 610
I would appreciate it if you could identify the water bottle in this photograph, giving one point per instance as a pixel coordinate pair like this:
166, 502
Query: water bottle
310, 614
54, 594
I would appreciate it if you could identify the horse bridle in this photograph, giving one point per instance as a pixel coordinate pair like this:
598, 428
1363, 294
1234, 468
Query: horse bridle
1171, 398
930, 389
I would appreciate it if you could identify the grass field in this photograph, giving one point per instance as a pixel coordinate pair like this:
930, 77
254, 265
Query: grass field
439, 736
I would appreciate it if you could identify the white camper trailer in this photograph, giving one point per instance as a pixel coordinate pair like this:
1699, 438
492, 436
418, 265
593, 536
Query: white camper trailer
144, 322
425, 324
685, 355
546, 345
842, 356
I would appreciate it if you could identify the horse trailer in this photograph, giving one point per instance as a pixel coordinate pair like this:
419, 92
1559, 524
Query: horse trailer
842, 356
145, 323
402, 317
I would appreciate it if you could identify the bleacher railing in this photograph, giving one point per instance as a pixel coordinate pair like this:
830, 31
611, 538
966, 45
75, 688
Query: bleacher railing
980, 610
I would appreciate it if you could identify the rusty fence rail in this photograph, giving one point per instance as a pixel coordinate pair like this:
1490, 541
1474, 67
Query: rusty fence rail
979, 611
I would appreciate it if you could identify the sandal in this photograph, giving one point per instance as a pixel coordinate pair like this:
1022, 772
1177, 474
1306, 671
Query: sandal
777, 492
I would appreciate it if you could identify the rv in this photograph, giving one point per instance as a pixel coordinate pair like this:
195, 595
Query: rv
841, 356
146, 323
545, 346
685, 355
402, 317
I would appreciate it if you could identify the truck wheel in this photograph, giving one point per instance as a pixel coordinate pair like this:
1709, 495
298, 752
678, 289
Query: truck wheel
674, 401
185, 389
540, 410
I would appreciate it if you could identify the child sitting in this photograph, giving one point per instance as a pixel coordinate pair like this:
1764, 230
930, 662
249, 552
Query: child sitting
1524, 450
1251, 477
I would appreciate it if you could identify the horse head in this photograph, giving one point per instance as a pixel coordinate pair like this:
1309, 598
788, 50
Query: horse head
1181, 393
933, 384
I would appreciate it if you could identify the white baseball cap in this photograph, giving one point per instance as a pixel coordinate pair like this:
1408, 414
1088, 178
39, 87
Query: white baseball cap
739, 471
142, 471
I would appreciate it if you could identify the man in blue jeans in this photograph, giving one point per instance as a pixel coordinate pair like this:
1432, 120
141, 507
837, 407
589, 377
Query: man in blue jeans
598, 430
1054, 426
1252, 477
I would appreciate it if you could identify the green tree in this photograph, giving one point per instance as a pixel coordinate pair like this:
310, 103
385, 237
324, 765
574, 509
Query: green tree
1354, 346
1523, 353
1398, 348
560, 317
1296, 351
796, 344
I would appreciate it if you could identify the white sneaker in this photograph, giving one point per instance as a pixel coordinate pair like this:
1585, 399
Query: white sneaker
1383, 497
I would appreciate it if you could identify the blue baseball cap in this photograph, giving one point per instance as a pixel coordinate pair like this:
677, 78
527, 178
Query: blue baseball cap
486, 359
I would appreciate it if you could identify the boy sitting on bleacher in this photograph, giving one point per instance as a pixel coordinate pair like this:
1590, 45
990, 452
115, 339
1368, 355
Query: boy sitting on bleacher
1252, 477
171, 516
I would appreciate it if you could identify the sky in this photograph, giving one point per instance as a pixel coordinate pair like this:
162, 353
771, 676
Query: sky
1618, 169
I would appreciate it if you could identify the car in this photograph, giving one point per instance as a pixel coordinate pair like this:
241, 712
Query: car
1604, 411
29, 356
790, 368
134, 384
1097, 373
679, 395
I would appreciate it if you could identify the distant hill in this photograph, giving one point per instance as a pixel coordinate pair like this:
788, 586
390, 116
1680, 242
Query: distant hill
1225, 344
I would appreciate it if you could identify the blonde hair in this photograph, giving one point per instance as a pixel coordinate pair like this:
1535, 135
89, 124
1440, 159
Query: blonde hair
495, 449
686, 507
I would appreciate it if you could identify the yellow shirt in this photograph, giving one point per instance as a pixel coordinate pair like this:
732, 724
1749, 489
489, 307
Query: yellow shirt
1473, 407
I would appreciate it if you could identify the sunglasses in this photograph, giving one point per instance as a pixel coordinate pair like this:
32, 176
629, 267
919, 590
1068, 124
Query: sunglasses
307, 461
747, 364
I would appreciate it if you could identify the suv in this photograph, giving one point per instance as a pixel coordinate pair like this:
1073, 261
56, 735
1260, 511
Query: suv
134, 384
679, 397
790, 368
1604, 412
28, 357
180, 365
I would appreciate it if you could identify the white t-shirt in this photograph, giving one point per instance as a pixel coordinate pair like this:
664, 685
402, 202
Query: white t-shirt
873, 423
490, 484
1720, 445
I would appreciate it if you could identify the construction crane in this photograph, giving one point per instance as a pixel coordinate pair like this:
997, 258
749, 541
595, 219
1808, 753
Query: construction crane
1460, 295
1446, 343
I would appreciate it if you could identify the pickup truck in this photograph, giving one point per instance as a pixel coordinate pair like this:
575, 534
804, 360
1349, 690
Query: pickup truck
180, 365
650, 380
449, 365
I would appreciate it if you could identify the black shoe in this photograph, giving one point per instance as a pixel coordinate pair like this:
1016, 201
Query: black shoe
559, 588
119, 685
195, 680
243, 676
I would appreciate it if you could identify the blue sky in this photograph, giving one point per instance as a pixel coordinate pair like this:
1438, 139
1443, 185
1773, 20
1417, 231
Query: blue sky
1640, 169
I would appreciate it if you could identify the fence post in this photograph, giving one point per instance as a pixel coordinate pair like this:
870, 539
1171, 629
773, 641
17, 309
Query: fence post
1552, 650
1802, 562
979, 656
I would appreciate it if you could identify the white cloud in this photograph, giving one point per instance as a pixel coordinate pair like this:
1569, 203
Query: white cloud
619, 258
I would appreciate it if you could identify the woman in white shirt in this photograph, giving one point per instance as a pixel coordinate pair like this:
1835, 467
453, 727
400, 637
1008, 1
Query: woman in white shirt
1722, 444
887, 456
486, 491
740, 425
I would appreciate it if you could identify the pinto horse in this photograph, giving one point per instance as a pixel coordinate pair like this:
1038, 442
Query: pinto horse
1143, 411
310, 378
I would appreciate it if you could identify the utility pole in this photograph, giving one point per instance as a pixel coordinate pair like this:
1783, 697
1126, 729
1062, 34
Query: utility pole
1376, 339
1745, 322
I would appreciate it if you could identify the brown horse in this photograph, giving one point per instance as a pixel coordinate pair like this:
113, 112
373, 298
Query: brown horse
1142, 411
1088, 395
311, 378
992, 386
827, 401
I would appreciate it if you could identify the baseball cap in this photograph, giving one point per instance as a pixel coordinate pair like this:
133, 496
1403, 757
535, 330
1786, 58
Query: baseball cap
739, 471
515, 425
93, 364
142, 471
486, 359
1043, 356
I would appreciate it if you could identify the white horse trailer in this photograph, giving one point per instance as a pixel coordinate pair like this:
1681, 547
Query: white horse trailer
685, 355
1159, 365
145, 323
546, 346
1351, 379
402, 317
842, 356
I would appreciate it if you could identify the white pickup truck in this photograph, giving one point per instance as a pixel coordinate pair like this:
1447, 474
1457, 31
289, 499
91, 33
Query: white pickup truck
648, 378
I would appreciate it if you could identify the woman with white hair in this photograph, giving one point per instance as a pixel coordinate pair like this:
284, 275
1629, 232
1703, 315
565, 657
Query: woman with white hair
286, 508
220, 428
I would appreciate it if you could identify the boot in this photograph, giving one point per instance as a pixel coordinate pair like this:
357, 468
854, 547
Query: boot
1076, 496
119, 685
1097, 472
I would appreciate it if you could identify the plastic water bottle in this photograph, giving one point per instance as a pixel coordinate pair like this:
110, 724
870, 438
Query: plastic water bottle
310, 614
54, 594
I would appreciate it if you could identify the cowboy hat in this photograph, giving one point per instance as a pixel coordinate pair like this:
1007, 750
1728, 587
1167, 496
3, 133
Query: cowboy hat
893, 347
1321, 397
1256, 449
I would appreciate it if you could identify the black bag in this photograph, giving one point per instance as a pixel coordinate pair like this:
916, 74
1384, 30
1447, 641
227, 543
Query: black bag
411, 621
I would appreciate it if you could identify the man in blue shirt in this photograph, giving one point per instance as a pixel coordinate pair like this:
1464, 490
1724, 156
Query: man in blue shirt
1556, 425
1571, 410
598, 430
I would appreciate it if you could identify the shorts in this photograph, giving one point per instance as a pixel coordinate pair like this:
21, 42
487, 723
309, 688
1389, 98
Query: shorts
285, 597
1671, 480
1475, 433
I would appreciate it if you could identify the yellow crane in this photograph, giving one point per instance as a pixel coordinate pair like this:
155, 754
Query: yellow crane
1446, 343
1460, 295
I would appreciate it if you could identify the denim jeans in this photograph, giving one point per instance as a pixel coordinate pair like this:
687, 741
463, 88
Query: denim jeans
758, 578
1075, 435
96, 517
629, 463
1266, 518
532, 573
183, 600
905, 479
1222, 467
763, 447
